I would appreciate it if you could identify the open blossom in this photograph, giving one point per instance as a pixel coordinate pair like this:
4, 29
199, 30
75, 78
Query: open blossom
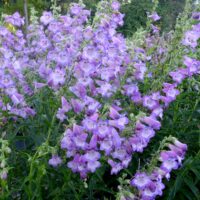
114, 114
63, 110
140, 70
169, 160
77, 105
15, 19
46, 18
116, 167
178, 76
89, 124
193, 66
131, 89
105, 89
170, 93
115, 5
191, 38
92, 166
158, 112
144, 132
55, 161
154, 16
79, 90
61, 115
56, 78
141, 180
92, 158
91, 54
138, 143
78, 164
150, 103
119, 123
152, 122
155, 29
102, 130
152, 190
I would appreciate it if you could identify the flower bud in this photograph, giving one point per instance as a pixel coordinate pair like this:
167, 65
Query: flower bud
3, 164
4, 175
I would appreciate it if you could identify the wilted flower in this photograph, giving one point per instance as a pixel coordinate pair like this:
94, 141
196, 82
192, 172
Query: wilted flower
196, 15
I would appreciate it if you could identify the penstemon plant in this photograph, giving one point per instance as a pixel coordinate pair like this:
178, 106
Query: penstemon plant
147, 182
103, 91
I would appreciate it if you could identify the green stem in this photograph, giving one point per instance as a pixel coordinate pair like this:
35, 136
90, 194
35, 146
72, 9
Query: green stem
35, 156
51, 127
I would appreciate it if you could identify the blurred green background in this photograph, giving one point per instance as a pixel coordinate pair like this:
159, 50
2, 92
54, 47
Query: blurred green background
135, 12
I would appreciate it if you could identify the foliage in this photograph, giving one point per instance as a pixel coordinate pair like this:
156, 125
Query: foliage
18, 5
170, 10
135, 15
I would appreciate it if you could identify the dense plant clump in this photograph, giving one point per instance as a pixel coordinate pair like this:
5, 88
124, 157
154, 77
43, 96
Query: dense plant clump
101, 87
150, 185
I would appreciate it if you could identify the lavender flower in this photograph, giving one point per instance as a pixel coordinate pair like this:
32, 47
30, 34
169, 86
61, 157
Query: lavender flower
191, 38
15, 19
151, 122
144, 132
150, 103
56, 78
192, 66
46, 18
171, 92
177, 76
154, 16
115, 5
150, 184
116, 167
141, 180
140, 70
119, 123
55, 161
155, 29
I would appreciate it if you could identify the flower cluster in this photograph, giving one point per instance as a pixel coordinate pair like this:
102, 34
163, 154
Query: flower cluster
192, 36
150, 185
101, 130
13, 84
98, 78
